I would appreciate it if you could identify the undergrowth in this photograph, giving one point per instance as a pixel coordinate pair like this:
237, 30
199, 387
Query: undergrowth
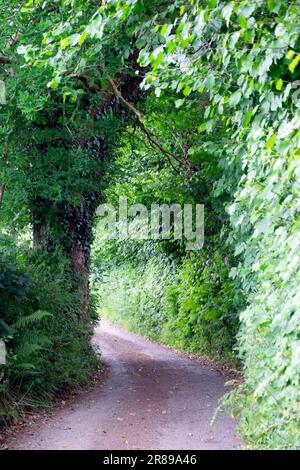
48, 350
189, 304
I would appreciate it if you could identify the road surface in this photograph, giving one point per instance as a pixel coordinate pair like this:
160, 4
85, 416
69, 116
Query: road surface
150, 398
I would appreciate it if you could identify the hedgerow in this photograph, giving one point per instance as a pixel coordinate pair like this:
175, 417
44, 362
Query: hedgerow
47, 349
195, 102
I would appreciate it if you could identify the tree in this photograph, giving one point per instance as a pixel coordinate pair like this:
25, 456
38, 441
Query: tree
61, 140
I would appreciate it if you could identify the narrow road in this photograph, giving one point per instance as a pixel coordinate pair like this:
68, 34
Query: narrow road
151, 398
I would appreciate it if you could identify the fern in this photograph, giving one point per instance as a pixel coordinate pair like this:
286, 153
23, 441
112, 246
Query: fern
47, 350
7, 328
27, 347
30, 319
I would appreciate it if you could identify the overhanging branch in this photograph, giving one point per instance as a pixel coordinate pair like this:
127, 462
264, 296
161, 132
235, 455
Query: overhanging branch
123, 100
4, 59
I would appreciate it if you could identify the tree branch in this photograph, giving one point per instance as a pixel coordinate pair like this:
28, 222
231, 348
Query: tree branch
124, 101
154, 142
2, 189
4, 59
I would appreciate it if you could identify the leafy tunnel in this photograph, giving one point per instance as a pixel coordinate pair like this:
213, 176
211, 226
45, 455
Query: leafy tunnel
159, 102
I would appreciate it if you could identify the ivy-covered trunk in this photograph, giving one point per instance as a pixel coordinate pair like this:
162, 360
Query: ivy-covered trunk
39, 208
67, 162
39, 237
68, 229
78, 221
80, 265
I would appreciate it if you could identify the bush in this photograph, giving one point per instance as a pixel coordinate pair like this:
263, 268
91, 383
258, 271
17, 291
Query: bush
190, 304
47, 349
202, 307
133, 294
265, 219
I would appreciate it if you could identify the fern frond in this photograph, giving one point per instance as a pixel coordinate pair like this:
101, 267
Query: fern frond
32, 318
27, 349
30, 344
8, 328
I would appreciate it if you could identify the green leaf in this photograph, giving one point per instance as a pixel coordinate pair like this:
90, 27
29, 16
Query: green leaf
64, 43
187, 90
294, 63
243, 22
270, 142
248, 118
227, 11
235, 98
279, 84
158, 58
179, 103
54, 83
290, 54
202, 127
82, 38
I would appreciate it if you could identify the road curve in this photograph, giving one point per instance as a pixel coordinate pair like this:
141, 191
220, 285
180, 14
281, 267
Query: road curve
151, 398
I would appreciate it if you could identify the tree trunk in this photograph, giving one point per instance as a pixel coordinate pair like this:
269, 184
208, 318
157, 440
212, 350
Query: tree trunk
78, 220
39, 236
80, 265
2, 189
72, 226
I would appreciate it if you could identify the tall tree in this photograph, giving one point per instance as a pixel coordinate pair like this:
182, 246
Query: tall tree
60, 139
